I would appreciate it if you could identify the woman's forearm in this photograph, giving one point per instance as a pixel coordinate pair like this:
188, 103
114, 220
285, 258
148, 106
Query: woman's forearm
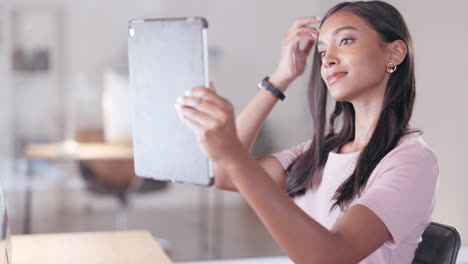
249, 122
251, 119
303, 238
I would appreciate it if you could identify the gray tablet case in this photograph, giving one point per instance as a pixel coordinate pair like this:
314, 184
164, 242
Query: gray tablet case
166, 58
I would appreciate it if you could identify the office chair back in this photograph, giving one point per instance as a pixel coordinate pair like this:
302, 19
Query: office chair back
440, 245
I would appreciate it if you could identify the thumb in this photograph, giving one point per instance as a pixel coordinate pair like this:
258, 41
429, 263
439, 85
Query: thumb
212, 88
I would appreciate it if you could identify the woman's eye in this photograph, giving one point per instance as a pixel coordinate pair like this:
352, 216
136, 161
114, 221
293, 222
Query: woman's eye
322, 54
346, 41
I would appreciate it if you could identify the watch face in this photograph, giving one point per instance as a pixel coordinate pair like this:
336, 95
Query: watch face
259, 85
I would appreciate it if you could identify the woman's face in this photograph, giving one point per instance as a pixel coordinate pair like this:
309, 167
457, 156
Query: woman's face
354, 57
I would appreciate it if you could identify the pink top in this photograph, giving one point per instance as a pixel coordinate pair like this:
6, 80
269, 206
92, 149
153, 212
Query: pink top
401, 191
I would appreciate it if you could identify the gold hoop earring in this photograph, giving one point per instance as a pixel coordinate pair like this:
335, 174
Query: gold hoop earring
391, 68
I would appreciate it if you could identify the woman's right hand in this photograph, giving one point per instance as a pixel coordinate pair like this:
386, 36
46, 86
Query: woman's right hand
293, 59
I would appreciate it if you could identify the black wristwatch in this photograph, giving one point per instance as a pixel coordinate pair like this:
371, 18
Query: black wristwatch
270, 87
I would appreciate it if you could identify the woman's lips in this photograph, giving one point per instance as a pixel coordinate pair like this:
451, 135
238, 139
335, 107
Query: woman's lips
335, 76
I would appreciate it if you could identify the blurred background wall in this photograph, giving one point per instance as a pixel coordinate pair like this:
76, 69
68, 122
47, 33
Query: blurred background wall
89, 37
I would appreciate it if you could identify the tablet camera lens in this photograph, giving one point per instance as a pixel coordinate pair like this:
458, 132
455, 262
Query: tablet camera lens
131, 31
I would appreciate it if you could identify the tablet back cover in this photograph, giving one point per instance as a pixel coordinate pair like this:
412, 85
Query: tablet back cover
166, 58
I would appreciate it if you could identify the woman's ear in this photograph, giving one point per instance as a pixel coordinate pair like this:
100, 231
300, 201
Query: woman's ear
398, 51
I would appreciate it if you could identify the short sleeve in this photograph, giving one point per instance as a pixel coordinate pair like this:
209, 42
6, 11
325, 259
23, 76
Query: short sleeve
403, 192
288, 156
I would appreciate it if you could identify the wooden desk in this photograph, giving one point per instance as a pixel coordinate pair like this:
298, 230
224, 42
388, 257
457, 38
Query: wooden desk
90, 248
73, 151
69, 150
79, 151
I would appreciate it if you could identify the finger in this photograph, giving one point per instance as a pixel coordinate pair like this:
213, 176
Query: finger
189, 100
303, 21
199, 117
197, 127
202, 105
308, 47
310, 30
207, 95
301, 31
294, 42
212, 87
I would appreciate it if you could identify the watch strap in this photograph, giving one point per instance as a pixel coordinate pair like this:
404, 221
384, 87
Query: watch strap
270, 87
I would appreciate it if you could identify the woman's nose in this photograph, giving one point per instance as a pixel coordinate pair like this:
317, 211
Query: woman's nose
329, 60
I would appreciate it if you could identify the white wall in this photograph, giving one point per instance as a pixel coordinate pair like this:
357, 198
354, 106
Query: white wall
439, 31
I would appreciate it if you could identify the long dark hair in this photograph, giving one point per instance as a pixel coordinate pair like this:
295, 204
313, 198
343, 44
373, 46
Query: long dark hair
393, 122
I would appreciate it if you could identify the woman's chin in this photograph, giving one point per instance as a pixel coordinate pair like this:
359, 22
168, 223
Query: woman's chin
339, 97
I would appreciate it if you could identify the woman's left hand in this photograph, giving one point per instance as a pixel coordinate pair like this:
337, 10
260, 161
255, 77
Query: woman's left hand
212, 119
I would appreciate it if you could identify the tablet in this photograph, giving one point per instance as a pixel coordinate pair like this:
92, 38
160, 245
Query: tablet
167, 57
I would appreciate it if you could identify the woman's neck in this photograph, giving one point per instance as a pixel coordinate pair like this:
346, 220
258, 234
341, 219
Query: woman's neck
366, 118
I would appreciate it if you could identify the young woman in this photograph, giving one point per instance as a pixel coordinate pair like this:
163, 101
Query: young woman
360, 192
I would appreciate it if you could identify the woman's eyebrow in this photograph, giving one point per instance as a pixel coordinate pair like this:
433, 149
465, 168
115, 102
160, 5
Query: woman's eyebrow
338, 30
